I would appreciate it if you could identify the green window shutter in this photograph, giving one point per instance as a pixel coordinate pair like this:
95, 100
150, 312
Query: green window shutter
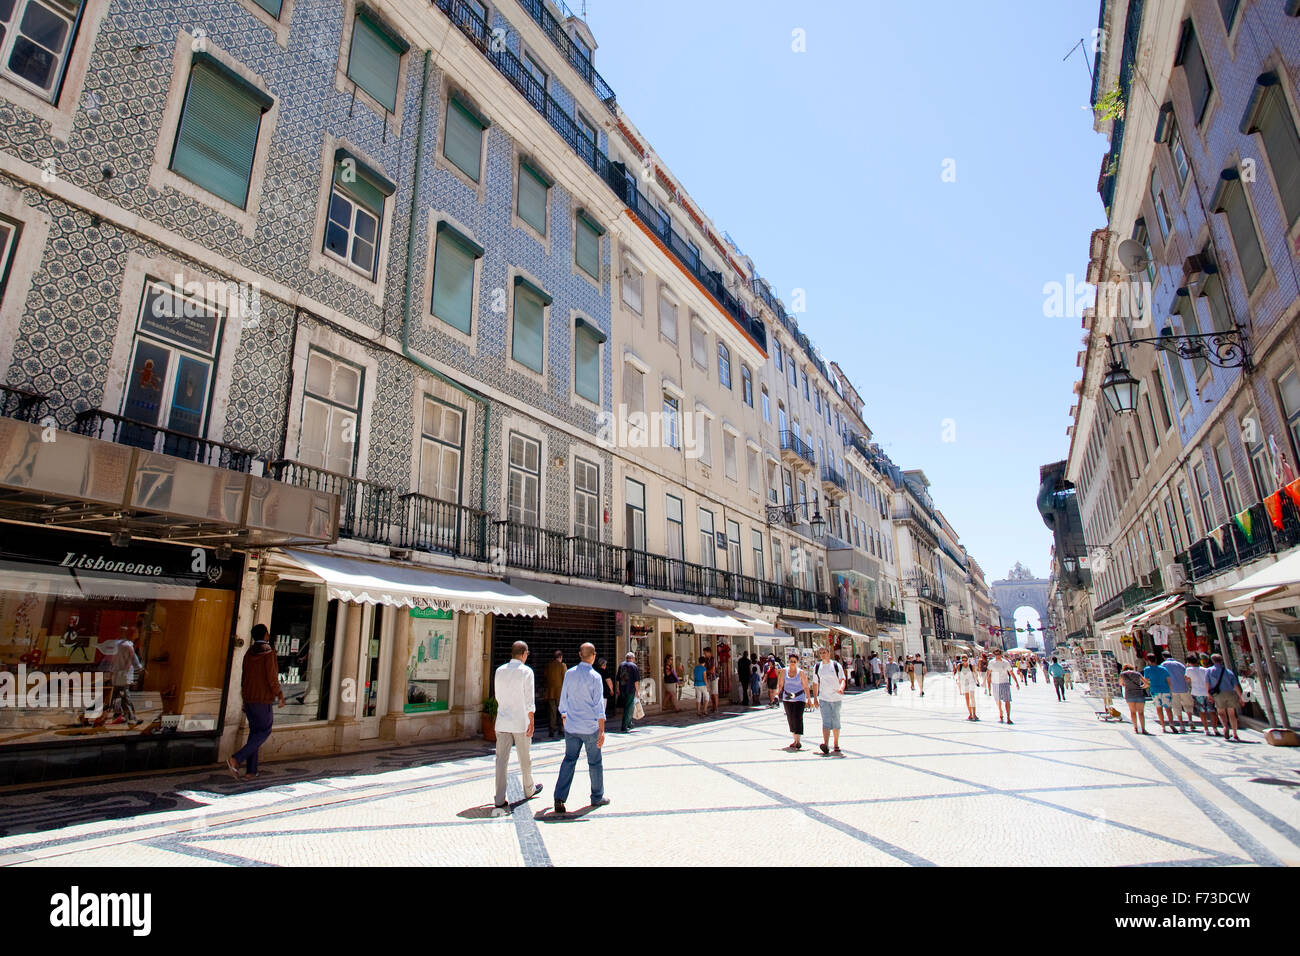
453, 282
463, 143
586, 350
526, 347
366, 185
218, 133
1282, 145
1244, 237
374, 61
272, 7
587, 249
532, 197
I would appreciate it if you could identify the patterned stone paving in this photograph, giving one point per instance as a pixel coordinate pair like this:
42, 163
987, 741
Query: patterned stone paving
918, 785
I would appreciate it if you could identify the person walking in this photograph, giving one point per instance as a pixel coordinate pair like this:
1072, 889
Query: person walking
670, 683
516, 715
773, 677
1225, 689
911, 673
859, 672
607, 685
1135, 686
1057, 673
743, 667
1184, 708
1202, 704
828, 686
126, 669
1069, 675
892, 671
755, 680
700, 680
1158, 680
711, 675
554, 684
582, 708
259, 687
794, 694
967, 684
629, 675
1001, 676
919, 667
877, 670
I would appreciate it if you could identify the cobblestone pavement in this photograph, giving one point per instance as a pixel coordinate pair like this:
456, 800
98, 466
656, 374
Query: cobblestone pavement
917, 785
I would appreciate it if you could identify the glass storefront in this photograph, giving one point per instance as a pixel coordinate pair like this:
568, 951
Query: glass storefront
433, 656
100, 643
303, 625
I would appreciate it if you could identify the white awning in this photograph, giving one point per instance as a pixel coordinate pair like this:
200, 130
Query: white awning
1286, 571
765, 633
806, 627
370, 582
856, 635
701, 617
1252, 597
1159, 608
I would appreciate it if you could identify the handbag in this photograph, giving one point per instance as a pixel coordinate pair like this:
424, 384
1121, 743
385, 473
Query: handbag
638, 711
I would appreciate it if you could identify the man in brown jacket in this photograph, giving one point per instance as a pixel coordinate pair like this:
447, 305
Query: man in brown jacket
259, 688
555, 671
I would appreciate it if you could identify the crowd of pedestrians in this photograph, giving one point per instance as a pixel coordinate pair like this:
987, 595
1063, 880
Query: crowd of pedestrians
1203, 687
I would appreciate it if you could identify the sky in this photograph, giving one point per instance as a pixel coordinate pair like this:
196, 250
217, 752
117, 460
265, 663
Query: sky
827, 167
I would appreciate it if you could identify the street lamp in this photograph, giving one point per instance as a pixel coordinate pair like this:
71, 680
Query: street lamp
1220, 349
818, 525
1120, 388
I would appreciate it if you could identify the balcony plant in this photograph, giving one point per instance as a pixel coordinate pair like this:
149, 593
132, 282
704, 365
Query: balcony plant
489, 719
1110, 106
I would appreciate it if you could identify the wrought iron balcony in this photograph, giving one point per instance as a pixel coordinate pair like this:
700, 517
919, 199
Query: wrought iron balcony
1208, 557
532, 548
796, 448
564, 43
106, 426
887, 615
23, 405
834, 482
442, 527
365, 508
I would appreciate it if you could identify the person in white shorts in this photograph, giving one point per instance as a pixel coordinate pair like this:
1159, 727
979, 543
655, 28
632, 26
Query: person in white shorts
1001, 674
828, 681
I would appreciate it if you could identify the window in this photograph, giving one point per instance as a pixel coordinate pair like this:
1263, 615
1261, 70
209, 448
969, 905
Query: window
528, 339
1261, 468
454, 256
1228, 8
778, 572
794, 372
1223, 459
773, 483
1172, 518
1178, 154
804, 376
586, 246
767, 405
1190, 59
699, 345
1141, 235
1186, 310
172, 363
667, 317
724, 365
35, 39
1271, 118
539, 78
632, 288
1151, 422
1220, 317
375, 58
356, 212
1203, 493
462, 142
1158, 202
751, 460
587, 340
272, 7
587, 140
524, 482
9, 231
1288, 387
708, 544
734, 563
442, 439
633, 390
776, 350
788, 481
676, 543
729, 454
1162, 403
534, 187
586, 500
706, 439
1178, 382
217, 137
672, 432
746, 385
817, 401
330, 409
1230, 199
756, 545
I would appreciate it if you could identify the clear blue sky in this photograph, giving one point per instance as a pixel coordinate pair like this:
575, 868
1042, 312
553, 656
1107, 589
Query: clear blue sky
825, 167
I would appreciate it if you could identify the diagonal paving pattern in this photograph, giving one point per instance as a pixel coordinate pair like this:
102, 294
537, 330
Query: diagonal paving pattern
918, 785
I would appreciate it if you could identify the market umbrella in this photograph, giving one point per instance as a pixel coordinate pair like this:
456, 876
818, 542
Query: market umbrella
1020, 651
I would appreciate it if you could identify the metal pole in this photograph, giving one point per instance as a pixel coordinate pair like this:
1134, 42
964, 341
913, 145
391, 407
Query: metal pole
1258, 638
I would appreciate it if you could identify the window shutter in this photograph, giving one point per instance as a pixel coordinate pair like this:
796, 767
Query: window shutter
532, 198
272, 7
218, 133
463, 143
587, 249
453, 283
1282, 145
1244, 237
667, 319
352, 178
374, 60
587, 364
526, 347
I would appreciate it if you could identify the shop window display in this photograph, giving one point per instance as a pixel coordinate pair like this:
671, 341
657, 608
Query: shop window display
433, 655
303, 625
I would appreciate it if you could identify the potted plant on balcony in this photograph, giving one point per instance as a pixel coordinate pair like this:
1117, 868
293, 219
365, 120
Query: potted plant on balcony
489, 718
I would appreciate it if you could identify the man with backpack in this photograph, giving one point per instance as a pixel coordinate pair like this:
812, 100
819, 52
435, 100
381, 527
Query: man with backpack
628, 675
828, 682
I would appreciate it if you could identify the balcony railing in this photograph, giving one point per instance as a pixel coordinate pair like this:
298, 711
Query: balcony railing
365, 508
1207, 557
532, 548
107, 426
442, 527
564, 43
887, 615
793, 443
23, 405
832, 477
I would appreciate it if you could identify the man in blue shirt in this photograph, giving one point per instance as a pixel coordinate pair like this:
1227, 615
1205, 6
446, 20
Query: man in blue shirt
1160, 694
1225, 689
582, 709
1184, 709
1058, 678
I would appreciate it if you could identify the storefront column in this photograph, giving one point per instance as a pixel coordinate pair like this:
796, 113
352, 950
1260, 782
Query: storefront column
260, 585
391, 726
347, 732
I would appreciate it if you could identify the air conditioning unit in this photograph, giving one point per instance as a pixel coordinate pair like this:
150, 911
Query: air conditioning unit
1175, 576
1144, 580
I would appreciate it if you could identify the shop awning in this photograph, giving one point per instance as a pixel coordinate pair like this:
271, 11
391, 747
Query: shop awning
1286, 571
856, 635
765, 633
1253, 596
703, 618
804, 627
1163, 606
370, 582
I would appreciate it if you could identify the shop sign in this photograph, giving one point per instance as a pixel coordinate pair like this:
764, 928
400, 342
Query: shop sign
139, 559
1127, 640
431, 613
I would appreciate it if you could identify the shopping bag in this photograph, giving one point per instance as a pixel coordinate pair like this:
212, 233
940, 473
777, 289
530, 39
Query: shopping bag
638, 712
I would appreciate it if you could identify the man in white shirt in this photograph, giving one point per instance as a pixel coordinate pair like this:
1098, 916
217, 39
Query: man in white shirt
516, 710
1001, 674
828, 681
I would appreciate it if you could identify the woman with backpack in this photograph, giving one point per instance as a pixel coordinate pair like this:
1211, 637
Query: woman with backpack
794, 694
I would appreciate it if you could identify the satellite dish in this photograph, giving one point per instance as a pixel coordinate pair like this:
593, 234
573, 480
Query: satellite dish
1133, 256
